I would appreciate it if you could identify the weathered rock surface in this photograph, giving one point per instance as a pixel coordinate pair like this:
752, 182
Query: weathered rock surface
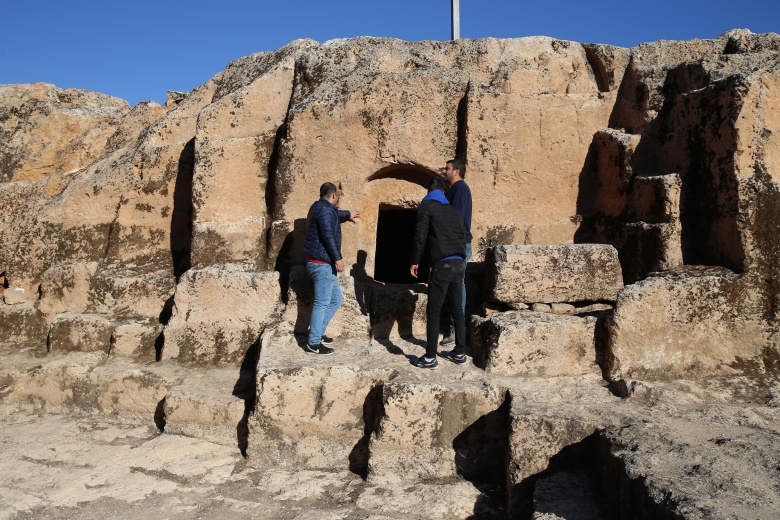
528, 344
219, 313
688, 311
48, 131
548, 274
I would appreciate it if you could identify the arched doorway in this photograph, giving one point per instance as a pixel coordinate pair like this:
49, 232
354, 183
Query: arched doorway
392, 195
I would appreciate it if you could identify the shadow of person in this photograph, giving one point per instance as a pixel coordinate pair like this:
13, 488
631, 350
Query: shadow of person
245, 389
290, 251
364, 284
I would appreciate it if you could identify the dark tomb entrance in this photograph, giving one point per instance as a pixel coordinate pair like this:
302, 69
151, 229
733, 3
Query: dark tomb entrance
394, 237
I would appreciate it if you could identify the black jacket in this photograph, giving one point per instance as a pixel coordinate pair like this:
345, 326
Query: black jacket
441, 225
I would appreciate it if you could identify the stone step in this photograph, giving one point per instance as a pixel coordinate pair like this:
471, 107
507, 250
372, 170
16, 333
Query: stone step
210, 404
525, 343
74, 332
367, 409
22, 323
86, 287
320, 411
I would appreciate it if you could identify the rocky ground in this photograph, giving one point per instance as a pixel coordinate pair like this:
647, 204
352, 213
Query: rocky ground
94, 466
675, 449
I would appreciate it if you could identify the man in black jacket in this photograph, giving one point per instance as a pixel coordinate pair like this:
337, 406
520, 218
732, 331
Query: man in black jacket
440, 225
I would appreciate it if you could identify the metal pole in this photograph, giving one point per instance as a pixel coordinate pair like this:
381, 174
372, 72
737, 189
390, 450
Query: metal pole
455, 19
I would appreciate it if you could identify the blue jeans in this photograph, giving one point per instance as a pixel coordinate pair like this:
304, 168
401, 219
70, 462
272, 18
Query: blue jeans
463, 282
327, 299
448, 323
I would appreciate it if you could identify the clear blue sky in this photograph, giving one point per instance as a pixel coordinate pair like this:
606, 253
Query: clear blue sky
138, 50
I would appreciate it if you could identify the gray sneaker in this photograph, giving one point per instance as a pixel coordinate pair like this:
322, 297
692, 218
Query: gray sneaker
320, 349
448, 340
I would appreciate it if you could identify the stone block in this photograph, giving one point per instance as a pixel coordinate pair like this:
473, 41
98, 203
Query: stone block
219, 312
351, 321
649, 248
655, 199
315, 417
221, 242
84, 287
87, 381
131, 295
398, 311
54, 383
71, 332
231, 176
535, 436
136, 340
204, 406
604, 189
121, 386
552, 274
430, 431
685, 324
532, 344
23, 323
66, 288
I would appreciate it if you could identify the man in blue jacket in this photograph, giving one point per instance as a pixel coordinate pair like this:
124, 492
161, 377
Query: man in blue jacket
323, 261
459, 195
440, 226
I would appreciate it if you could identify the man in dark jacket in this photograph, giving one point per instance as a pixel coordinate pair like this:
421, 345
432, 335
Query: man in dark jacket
440, 225
459, 195
323, 261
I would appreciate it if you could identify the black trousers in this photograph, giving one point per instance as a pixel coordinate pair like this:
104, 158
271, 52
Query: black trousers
445, 281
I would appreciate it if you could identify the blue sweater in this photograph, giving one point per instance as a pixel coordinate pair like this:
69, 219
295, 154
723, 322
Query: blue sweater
459, 196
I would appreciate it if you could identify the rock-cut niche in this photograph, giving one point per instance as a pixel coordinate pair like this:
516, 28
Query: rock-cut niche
391, 199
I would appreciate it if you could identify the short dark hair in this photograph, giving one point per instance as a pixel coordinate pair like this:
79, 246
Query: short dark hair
327, 189
437, 183
459, 165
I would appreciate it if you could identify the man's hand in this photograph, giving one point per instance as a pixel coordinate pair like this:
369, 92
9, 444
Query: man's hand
340, 266
353, 215
413, 270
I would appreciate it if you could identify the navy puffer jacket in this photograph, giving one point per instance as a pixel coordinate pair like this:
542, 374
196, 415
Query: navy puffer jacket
323, 231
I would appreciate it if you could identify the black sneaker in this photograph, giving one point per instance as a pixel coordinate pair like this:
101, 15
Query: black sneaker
423, 362
450, 355
320, 349
325, 340
448, 340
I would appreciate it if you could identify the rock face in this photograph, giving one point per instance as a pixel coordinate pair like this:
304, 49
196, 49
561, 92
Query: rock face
624, 286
